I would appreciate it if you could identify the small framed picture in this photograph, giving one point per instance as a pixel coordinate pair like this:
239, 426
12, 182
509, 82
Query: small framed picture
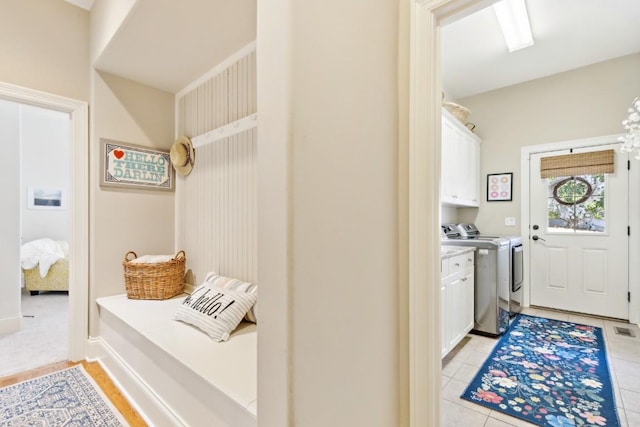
499, 187
46, 198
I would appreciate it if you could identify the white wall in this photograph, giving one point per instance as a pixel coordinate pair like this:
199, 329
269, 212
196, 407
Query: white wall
583, 103
125, 219
106, 18
44, 45
448, 215
10, 316
328, 213
45, 164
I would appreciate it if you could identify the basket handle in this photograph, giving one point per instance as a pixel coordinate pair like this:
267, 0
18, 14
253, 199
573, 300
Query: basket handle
180, 255
126, 256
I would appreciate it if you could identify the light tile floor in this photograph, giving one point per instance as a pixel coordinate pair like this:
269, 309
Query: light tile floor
623, 359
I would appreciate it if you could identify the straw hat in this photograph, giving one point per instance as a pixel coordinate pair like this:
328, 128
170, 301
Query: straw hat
183, 156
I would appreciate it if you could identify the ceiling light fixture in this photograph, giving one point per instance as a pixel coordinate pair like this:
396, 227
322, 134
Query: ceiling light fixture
514, 23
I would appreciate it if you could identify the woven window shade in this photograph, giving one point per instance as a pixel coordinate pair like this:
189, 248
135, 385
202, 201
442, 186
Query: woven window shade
594, 162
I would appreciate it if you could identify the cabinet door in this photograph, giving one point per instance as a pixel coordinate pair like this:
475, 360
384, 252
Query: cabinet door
470, 185
444, 320
450, 154
460, 174
455, 293
468, 291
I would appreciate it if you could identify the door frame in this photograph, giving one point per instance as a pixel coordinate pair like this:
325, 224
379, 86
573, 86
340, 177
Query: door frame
78, 327
634, 212
425, 88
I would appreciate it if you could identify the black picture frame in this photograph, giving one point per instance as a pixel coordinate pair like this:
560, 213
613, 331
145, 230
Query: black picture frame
500, 187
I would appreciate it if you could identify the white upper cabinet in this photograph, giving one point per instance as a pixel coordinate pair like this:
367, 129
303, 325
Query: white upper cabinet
460, 184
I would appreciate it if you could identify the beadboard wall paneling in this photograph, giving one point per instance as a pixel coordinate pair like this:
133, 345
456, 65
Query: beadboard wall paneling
225, 98
216, 206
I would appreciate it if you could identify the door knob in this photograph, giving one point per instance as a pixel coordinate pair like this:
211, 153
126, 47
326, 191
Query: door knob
537, 238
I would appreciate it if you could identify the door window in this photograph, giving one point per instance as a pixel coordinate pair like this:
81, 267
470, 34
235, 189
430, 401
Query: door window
576, 204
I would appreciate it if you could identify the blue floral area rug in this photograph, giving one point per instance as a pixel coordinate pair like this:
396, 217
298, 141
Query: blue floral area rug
64, 398
549, 373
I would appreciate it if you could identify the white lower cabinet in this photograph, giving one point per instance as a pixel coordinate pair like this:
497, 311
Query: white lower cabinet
456, 299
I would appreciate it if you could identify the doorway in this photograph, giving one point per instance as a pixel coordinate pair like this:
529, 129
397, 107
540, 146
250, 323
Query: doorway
426, 18
579, 249
78, 205
39, 139
424, 116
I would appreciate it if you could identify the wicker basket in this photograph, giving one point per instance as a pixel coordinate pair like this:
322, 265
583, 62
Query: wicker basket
458, 111
159, 281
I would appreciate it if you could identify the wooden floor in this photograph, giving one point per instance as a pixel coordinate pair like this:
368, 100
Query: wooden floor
100, 377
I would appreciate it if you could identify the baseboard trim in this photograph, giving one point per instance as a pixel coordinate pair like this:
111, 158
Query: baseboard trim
10, 325
140, 396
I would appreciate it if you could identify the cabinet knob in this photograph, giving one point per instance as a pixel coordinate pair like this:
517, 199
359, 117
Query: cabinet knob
464, 279
455, 196
457, 264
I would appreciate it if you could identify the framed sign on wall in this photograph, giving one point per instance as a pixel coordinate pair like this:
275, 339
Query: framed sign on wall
133, 166
499, 187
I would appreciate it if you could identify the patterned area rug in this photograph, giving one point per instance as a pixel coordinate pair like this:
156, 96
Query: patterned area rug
65, 398
549, 373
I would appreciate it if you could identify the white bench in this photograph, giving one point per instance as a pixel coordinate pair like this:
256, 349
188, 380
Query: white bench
173, 373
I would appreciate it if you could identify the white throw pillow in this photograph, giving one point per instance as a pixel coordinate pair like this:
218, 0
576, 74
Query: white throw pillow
237, 285
215, 311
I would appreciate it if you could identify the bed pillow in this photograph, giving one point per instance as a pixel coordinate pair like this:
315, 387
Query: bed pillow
215, 311
237, 285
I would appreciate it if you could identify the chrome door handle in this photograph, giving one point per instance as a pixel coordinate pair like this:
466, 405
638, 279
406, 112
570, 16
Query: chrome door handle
534, 237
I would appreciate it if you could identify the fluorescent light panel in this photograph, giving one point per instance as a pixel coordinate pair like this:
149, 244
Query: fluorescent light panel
514, 23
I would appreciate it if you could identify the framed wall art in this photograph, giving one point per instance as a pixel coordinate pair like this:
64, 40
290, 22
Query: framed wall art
499, 187
134, 166
46, 198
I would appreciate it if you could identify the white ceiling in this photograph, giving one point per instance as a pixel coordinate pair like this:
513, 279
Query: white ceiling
84, 4
168, 44
568, 34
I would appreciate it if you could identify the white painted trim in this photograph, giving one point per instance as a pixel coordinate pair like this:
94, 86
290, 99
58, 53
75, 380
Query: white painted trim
240, 125
10, 325
218, 69
634, 242
424, 212
634, 213
424, 203
79, 206
138, 393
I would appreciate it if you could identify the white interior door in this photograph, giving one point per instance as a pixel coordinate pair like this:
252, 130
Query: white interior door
579, 238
